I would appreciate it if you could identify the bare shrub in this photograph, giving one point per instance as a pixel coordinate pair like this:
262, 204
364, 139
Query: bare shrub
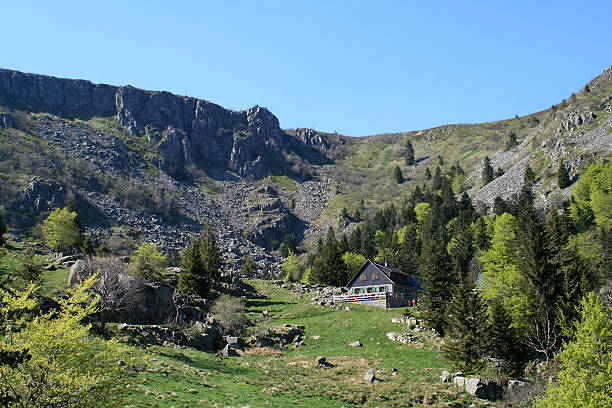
524, 396
230, 313
120, 293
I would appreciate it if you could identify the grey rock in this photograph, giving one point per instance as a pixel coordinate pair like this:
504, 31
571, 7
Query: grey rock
459, 381
228, 351
75, 271
370, 376
446, 376
474, 386
356, 343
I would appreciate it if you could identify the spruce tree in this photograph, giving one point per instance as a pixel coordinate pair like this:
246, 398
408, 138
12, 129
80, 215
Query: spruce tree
191, 278
510, 141
503, 341
329, 268
409, 158
460, 246
563, 178
499, 206
211, 255
88, 246
529, 177
249, 266
487, 171
464, 342
427, 173
481, 237
438, 180
435, 270
397, 175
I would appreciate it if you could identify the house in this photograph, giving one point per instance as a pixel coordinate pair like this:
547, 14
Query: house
380, 285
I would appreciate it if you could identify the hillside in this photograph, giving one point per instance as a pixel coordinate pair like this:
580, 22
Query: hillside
145, 165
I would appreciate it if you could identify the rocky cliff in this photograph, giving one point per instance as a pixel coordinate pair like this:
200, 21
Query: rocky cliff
186, 131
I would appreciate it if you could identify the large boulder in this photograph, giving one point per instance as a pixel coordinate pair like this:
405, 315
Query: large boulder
75, 272
474, 386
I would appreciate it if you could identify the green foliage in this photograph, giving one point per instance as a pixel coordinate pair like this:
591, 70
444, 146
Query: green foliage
20, 268
501, 279
61, 369
353, 262
563, 178
88, 246
510, 141
409, 153
202, 264
249, 266
586, 362
229, 311
147, 261
529, 177
504, 341
464, 342
329, 268
487, 171
592, 198
292, 268
61, 230
289, 244
397, 175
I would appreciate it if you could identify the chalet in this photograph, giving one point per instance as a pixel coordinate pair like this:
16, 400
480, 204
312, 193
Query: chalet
380, 285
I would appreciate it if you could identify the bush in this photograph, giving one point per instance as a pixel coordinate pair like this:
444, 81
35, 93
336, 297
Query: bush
229, 311
61, 369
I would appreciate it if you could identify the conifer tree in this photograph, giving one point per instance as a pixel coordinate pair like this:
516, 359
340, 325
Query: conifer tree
481, 237
563, 178
435, 270
487, 171
409, 158
510, 141
503, 341
427, 173
460, 245
464, 342
191, 278
397, 175
249, 266
329, 268
437, 179
211, 255
529, 177
88, 246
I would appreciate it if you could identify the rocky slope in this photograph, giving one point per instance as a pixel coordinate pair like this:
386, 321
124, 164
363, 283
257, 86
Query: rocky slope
163, 165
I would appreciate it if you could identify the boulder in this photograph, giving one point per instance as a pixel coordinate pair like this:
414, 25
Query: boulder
200, 341
494, 391
356, 343
446, 376
75, 271
371, 377
235, 342
459, 381
474, 386
228, 351
321, 360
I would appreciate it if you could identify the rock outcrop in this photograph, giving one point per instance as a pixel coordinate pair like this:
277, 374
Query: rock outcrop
187, 131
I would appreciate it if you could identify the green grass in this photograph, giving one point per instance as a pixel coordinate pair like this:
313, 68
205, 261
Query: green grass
270, 378
54, 280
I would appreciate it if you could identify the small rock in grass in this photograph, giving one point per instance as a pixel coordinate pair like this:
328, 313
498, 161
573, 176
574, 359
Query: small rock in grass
394, 372
356, 343
446, 376
192, 391
315, 337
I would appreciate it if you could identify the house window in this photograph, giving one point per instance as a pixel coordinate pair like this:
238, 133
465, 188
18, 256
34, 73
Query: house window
375, 276
381, 289
364, 277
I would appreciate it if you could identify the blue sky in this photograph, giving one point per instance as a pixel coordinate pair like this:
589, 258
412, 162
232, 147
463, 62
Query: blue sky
355, 67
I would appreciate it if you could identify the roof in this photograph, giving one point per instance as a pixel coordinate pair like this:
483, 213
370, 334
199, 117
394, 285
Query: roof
387, 270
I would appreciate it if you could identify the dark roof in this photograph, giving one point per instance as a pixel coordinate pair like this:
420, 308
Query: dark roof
387, 270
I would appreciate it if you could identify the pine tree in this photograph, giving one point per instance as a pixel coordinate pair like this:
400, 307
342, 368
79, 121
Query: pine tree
249, 266
464, 342
460, 246
510, 141
409, 158
487, 171
481, 237
438, 180
563, 178
88, 246
397, 175
329, 268
503, 342
529, 177
427, 173
499, 206
440, 160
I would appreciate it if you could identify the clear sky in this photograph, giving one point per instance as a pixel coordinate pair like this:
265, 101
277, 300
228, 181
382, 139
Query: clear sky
356, 67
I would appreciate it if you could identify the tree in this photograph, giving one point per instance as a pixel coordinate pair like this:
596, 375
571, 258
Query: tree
2, 230
503, 340
61, 369
427, 173
585, 376
61, 230
510, 141
409, 158
353, 262
397, 175
289, 244
249, 267
464, 342
147, 261
191, 278
529, 177
292, 268
88, 246
438, 179
119, 294
481, 235
329, 268
563, 178
487, 171
211, 256
229, 311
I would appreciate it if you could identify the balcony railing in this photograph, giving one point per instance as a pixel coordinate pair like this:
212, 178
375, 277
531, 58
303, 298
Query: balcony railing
370, 296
